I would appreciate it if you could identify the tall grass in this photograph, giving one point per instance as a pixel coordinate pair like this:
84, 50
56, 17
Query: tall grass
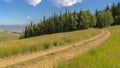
44, 42
106, 56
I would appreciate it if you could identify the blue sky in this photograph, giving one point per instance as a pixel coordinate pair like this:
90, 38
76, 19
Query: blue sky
21, 12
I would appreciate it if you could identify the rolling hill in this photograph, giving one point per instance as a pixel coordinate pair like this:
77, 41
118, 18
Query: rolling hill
7, 36
106, 56
44, 42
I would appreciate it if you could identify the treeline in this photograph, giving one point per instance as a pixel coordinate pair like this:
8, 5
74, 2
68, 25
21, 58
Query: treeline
70, 21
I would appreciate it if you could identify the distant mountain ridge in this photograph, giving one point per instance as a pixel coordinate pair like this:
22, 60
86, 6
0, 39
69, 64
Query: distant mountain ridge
13, 28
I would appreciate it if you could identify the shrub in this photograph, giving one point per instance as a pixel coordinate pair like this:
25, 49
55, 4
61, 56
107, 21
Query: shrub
21, 36
93, 51
46, 45
67, 40
55, 43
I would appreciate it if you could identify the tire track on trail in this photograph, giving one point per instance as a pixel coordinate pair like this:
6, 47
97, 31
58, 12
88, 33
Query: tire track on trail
50, 57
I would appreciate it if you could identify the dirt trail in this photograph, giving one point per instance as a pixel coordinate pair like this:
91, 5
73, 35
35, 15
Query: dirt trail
50, 57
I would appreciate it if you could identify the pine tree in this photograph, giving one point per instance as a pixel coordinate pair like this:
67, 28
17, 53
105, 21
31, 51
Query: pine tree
104, 18
70, 21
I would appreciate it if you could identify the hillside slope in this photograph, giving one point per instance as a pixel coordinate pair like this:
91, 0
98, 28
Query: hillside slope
106, 56
43, 42
11, 49
7, 36
49, 58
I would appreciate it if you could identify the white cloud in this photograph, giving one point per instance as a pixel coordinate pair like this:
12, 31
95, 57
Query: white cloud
34, 2
65, 3
28, 17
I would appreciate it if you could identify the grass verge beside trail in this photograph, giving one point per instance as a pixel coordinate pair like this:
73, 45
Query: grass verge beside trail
106, 56
44, 42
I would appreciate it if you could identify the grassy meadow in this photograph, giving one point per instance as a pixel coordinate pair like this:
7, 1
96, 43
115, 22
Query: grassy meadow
106, 56
5, 36
37, 43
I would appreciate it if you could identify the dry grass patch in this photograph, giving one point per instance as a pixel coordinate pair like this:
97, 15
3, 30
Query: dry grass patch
44, 42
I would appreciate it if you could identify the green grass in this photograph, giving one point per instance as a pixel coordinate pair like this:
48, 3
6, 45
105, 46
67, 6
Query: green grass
5, 36
106, 56
44, 42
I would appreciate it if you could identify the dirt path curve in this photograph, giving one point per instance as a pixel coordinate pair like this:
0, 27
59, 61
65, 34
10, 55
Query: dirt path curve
50, 57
